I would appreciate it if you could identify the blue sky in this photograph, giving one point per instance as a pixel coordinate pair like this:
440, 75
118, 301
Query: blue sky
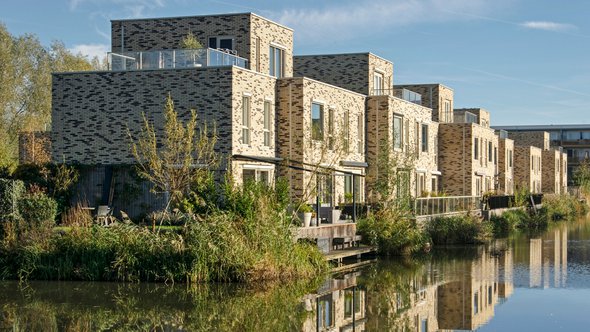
523, 60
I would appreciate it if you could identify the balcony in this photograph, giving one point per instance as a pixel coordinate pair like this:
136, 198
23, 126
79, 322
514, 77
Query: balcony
173, 59
409, 95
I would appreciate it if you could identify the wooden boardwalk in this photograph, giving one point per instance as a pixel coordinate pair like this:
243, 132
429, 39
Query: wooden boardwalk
348, 252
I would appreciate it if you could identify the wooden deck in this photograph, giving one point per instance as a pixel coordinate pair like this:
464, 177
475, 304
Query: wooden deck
327, 231
348, 252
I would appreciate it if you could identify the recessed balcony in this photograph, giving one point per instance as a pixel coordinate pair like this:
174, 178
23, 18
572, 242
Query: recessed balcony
173, 59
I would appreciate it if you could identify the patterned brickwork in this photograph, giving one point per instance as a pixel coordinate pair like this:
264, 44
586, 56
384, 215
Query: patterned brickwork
354, 72
295, 98
92, 111
34, 147
423, 165
551, 172
538, 139
528, 168
483, 116
434, 96
505, 166
463, 172
252, 35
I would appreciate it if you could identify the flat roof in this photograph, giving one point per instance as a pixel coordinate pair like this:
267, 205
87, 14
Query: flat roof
204, 15
342, 54
544, 127
424, 84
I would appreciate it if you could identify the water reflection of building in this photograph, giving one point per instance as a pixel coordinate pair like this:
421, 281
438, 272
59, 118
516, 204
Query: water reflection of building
339, 305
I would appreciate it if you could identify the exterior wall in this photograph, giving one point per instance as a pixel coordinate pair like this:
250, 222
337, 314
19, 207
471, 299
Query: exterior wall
527, 170
353, 72
538, 139
92, 111
563, 172
434, 97
505, 166
483, 116
251, 33
551, 172
380, 116
463, 174
295, 142
34, 147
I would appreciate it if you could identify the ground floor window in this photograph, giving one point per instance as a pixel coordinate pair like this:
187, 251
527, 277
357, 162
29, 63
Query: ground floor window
253, 174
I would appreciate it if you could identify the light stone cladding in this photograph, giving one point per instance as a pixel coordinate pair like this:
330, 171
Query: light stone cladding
92, 111
563, 172
467, 164
505, 166
408, 155
551, 182
483, 116
253, 35
540, 139
354, 72
528, 168
436, 96
295, 143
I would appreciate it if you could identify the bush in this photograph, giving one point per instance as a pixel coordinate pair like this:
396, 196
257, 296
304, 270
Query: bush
10, 193
562, 207
466, 229
37, 208
392, 233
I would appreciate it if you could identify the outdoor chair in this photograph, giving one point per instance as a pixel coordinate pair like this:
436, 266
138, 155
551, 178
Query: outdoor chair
104, 215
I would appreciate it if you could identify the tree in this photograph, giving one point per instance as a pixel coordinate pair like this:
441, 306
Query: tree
190, 42
174, 160
25, 86
582, 176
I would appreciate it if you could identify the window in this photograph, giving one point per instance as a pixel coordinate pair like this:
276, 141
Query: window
510, 158
495, 156
490, 152
433, 185
317, 121
276, 56
331, 129
424, 138
397, 132
475, 148
447, 111
478, 185
360, 133
223, 42
325, 187
251, 173
352, 187
378, 84
267, 122
325, 312
346, 130
246, 120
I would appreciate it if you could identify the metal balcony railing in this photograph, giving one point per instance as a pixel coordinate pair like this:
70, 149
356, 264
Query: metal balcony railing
171, 59
443, 205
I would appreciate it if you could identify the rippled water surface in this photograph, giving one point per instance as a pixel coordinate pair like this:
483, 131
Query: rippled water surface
524, 283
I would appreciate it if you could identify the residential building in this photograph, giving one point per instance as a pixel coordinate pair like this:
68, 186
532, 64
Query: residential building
505, 164
552, 176
528, 168
435, 96
574, 139
364, 73
468, 154
401, 143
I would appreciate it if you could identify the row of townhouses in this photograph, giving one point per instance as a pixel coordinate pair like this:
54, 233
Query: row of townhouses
333, 124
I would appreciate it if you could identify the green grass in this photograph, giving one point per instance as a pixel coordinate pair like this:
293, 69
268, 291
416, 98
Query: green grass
463, 229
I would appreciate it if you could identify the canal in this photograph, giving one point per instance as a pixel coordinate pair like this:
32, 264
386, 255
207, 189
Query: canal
538, 282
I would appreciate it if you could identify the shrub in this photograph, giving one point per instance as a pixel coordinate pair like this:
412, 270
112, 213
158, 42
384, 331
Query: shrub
77, 215
562, 207
466, 229
37, 208
392, 233
10, 193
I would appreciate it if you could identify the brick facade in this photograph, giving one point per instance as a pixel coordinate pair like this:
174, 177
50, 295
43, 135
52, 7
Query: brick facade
528, 168
435, 96
551, 183
505, 166
409, 155
252, 34
354, 72
540, 139
295, 143
483, 116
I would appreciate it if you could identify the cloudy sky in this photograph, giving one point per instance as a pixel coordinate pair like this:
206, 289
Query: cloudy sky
526, 61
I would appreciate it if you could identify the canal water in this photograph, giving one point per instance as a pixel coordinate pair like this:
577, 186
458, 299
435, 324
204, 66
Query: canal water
538, 282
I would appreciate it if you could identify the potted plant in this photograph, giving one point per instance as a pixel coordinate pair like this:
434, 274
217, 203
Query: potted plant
305, 212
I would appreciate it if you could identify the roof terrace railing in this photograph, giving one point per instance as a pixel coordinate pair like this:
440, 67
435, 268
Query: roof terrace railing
171, 59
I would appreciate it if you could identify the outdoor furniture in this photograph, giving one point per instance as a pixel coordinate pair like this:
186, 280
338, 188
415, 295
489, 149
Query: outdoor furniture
104, 215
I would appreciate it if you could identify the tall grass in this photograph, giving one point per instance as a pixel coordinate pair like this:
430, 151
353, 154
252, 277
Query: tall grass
463, 229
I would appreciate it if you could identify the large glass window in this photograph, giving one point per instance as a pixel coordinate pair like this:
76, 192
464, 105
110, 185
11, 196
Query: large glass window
475, 148
246, 120
490, 152
276, 56
222, 42
317, 121
397, 132
267, 123
447, 111
424, 138
378, 84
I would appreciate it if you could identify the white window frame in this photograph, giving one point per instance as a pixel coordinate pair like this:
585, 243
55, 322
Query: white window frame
321, 119
246, 118
378, 82
267, 120
400, 139
272, 65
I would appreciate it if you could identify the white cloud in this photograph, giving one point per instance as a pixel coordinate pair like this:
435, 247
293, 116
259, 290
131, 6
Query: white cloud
91, 50
361, 18
549, 26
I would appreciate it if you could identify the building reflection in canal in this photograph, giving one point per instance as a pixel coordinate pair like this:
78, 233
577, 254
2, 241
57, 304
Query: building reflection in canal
457, 292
